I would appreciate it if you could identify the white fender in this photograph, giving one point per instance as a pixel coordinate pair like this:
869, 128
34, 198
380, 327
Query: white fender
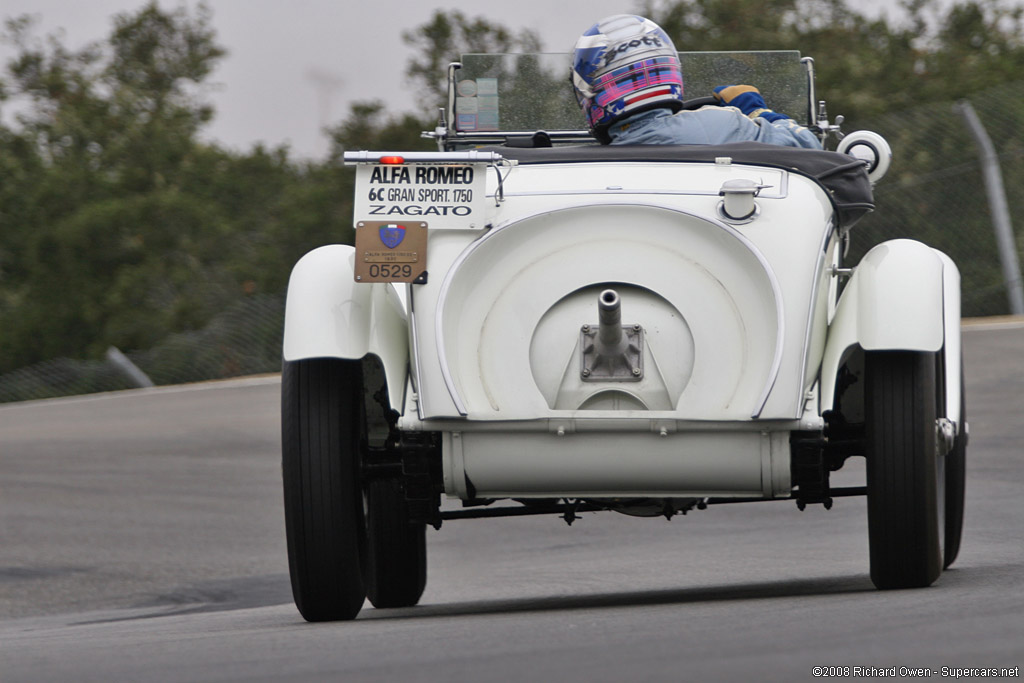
952, 347
329, 315
893, 301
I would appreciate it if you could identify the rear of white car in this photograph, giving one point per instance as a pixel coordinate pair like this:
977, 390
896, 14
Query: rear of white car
640, 329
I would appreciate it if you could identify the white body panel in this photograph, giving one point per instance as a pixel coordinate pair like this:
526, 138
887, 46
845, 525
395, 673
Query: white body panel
329, 315
952, 348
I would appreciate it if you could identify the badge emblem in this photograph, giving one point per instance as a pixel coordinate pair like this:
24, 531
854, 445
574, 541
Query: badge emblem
392, 235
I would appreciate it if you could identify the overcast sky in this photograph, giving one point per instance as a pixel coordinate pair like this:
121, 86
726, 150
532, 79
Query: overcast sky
267, 89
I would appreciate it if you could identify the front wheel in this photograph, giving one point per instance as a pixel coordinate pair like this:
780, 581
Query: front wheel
902, 469
321, 434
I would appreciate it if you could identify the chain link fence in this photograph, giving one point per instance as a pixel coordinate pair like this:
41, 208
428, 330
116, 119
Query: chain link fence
244, 340
934, 193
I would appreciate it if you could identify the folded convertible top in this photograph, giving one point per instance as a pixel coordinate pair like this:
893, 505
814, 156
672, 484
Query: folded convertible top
843, 177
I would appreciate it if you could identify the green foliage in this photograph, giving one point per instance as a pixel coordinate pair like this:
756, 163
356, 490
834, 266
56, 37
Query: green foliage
367, 127
977, 46
117, 226
865, 66
445, 38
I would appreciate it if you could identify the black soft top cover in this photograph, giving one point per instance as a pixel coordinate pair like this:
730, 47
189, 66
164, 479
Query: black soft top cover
844, 178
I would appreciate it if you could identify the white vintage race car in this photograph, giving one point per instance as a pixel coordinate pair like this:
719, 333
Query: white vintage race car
532, 323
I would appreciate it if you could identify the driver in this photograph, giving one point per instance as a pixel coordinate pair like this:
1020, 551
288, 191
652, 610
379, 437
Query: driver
628, 82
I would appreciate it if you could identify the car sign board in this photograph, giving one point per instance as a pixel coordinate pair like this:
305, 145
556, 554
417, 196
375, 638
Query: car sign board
446, 195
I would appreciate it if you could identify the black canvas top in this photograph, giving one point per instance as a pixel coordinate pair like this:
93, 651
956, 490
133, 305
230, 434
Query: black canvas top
844, 178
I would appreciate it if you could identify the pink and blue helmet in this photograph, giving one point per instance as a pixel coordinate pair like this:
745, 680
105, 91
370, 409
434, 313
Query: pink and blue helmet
622, 65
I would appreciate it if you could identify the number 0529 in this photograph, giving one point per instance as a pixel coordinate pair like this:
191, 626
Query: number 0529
390, 270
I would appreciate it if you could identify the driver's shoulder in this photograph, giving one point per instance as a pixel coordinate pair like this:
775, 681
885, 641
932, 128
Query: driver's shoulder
708, 111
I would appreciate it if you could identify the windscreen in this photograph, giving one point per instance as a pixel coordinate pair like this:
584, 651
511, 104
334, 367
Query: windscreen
530, 92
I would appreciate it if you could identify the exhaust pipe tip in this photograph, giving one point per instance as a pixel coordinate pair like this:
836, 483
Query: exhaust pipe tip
609, 313
608, 300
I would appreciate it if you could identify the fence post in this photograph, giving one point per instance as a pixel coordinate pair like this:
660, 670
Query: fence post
128, 368
997, 205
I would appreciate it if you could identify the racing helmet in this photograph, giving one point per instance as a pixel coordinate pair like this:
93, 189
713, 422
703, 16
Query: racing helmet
622, 65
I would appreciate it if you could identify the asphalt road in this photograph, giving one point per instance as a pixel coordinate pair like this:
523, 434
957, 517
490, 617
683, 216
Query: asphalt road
142, 539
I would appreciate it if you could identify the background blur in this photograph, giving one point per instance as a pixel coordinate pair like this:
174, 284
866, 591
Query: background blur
163, 166
292, 68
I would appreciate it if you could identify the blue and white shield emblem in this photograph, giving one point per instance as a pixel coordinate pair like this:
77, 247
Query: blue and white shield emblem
392, 235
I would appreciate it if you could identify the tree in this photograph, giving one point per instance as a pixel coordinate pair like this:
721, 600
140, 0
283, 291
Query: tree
975, 46
865, 66
367, 127
102, 245
129, 105
445, 38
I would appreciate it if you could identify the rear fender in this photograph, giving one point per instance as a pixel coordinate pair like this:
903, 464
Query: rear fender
329, 315
900, 297
952, 349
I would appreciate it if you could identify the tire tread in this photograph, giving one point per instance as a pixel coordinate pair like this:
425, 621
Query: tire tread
320, 439
900, 434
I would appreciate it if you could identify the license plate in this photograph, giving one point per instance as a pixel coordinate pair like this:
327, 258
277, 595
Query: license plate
391, 251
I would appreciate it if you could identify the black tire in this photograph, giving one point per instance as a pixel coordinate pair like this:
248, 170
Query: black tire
903, 510
321, 432
396, 557
956, 480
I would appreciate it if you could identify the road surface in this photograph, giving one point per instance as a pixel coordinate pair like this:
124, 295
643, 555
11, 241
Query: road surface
142, 539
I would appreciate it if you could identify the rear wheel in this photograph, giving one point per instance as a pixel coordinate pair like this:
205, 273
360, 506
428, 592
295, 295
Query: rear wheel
956, 478
321, 433
902, 469
396, 558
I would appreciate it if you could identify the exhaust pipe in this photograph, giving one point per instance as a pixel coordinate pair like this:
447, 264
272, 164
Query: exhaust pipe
611, 352
609, 314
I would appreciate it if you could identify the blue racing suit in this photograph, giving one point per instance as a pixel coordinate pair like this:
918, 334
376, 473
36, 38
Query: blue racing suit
710, 125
